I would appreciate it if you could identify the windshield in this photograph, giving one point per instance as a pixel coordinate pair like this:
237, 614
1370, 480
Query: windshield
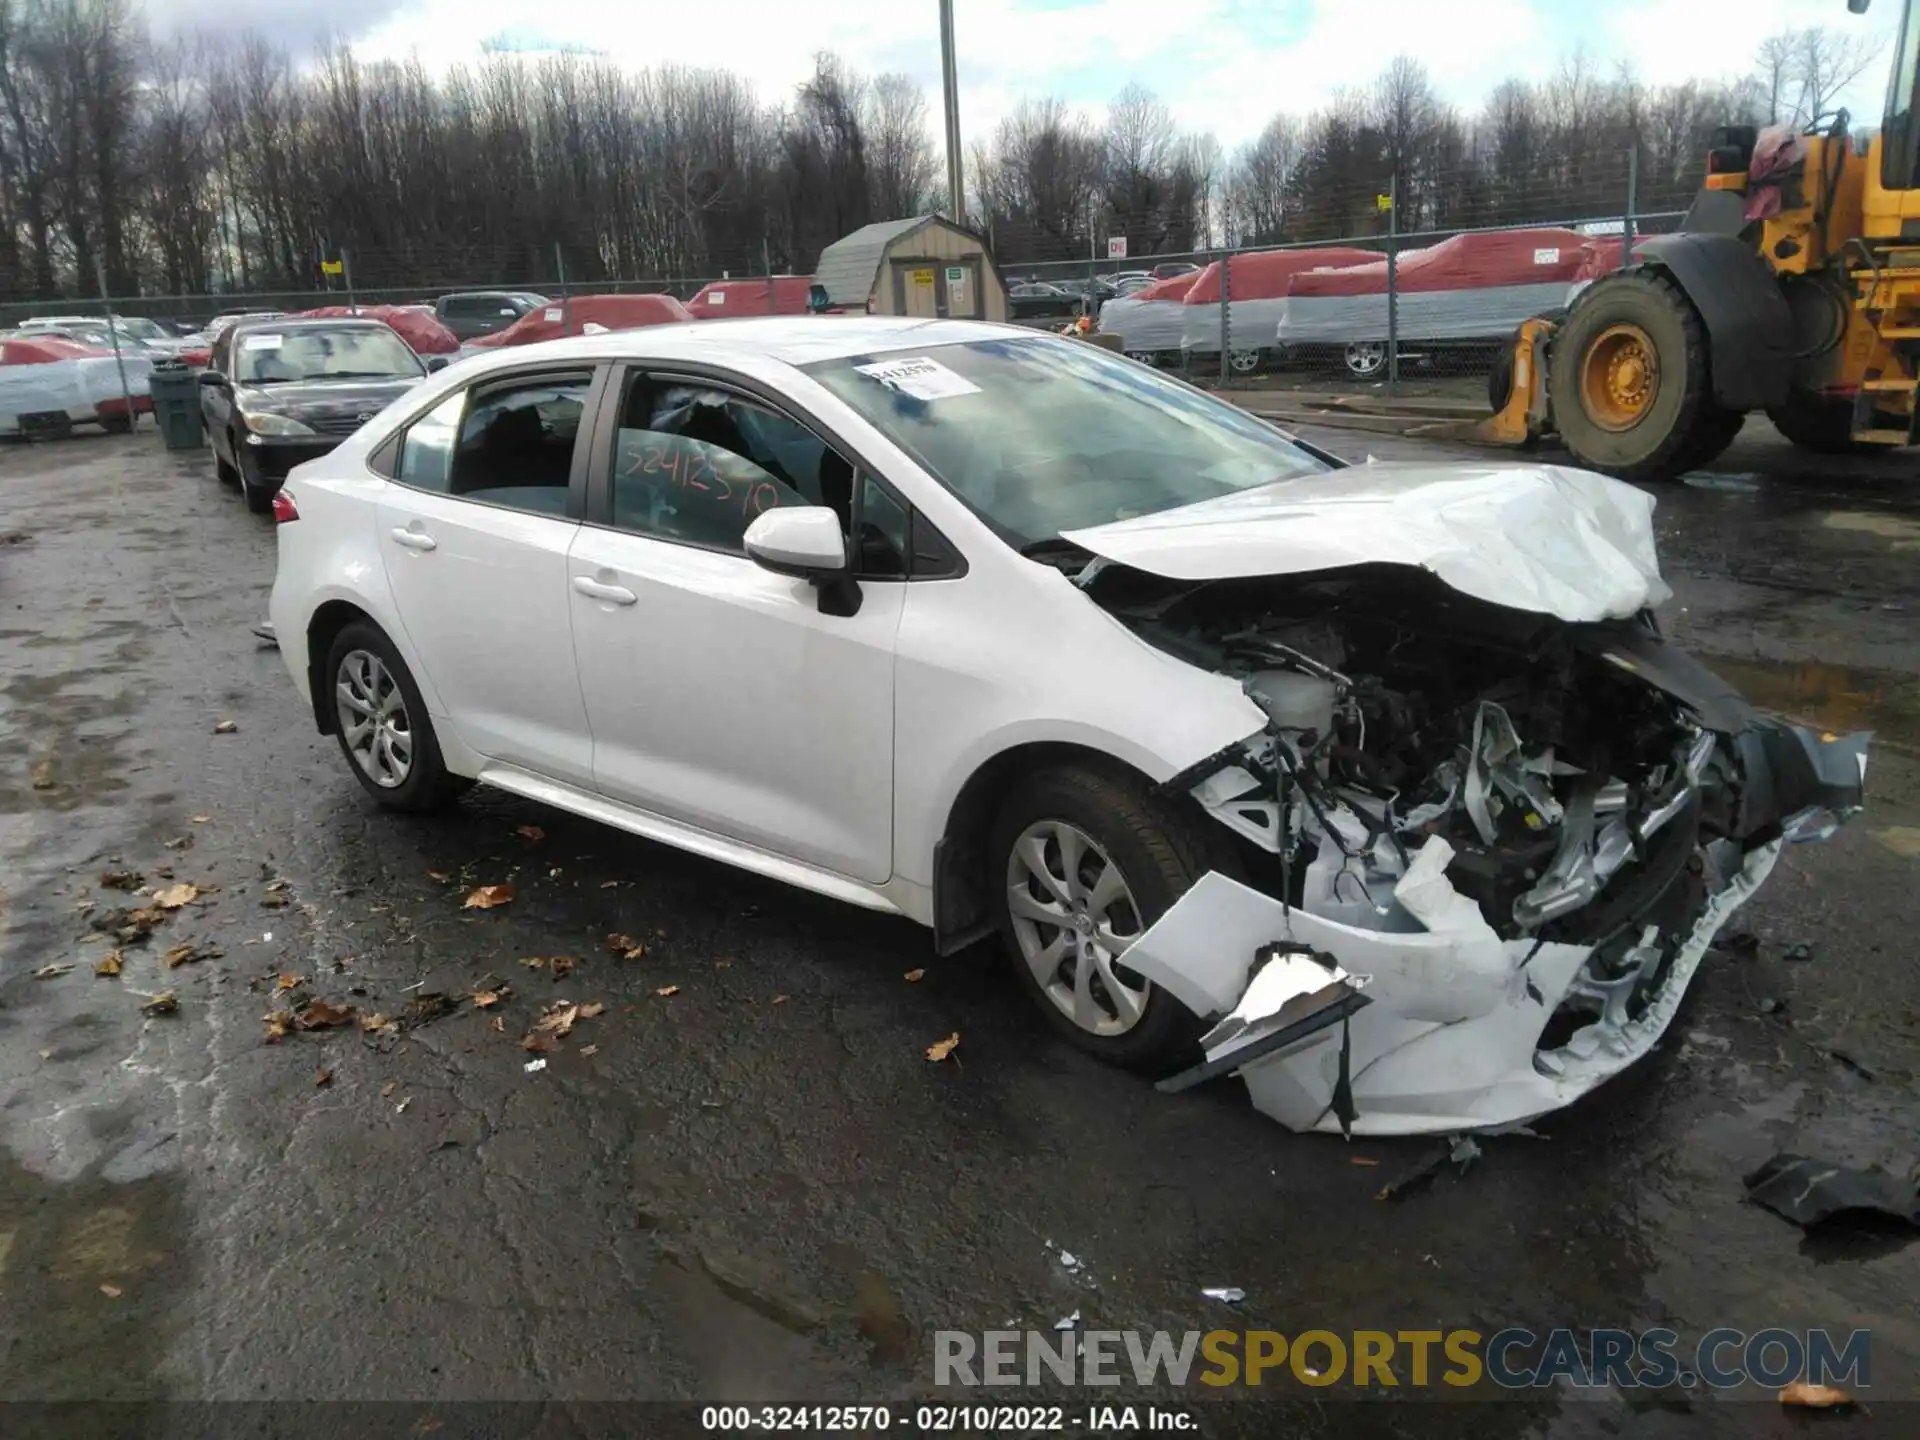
141, 329
269, 357
1043, 435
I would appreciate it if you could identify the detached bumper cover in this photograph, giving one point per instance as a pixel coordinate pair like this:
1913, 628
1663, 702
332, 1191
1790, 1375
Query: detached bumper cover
1451, 1035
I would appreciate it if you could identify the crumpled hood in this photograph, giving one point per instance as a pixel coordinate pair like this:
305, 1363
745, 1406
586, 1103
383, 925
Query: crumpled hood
1542, 538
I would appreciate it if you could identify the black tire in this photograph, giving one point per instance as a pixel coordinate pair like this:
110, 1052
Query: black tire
428, 784
1713, 432
1161, 850
256, 492
1819, 425
225, 471
1657, 447
117, 424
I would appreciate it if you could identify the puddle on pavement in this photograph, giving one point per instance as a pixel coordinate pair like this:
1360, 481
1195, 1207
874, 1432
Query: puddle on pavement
89, 1272
1707, 480
1836, 697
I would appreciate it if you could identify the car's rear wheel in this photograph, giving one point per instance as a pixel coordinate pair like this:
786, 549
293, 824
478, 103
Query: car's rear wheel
1082, 862
382, 723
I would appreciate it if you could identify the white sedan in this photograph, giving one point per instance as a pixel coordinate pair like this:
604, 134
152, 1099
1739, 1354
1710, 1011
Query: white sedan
1374, 786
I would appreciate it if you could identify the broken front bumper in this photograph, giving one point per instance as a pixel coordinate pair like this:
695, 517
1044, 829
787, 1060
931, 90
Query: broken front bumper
1452, 1032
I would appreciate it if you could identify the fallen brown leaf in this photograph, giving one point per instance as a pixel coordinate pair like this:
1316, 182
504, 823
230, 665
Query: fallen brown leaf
108, 964
532, 834
626, 947
589, 1049
487, 999
225, 727
51, 972
1815, 1397
666, 990
274, 886
941, 1049
534, 1040
560, 965
557, 1020
174, 896
112, 1292
914, 976
322, 1079
386, 1090
43, 775
488, 897
591, 1009
499, 1024
290, 982
122, 879
377, 1023
322, 1015
427, 1007
202, 819
165, 1003
278, 1023
780, 999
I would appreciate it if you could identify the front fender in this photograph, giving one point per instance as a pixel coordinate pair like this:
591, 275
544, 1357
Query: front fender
1749, 328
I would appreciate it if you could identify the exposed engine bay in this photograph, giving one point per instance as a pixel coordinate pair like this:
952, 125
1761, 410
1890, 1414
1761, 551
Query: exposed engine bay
1566, 797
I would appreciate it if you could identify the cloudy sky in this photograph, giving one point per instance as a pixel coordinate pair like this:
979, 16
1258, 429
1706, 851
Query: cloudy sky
1224, 65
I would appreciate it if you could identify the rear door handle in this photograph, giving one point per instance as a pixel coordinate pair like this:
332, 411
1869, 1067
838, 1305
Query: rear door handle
599, 590
414, 539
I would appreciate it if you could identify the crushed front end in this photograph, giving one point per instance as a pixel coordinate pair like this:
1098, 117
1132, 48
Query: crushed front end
1515, 836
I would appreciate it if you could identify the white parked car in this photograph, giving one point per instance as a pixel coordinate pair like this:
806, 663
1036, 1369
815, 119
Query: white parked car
1383, 773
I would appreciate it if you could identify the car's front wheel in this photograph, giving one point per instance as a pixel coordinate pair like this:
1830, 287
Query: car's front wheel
1083, 861
382, 723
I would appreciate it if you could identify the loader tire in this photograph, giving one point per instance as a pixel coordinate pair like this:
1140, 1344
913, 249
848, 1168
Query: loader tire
1616, 412
1713, 432
1820, 425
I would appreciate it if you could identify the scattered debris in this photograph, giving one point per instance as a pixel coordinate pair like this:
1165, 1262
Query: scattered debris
666, 990
609, 884
1809, 1191
1067, 1322
264, 630
322, 1079
488, 897
1800, 952
589, 1049
1225, 1294
1738, 942
112, 1292
1852, 1062
51, 972
626, 947
129, 927
202, 819
499, 1026
174, 896
401, 1108
1461, 1150
532, 834
322, 1015
486, 999
780, 999
122, 879
1815, 1397
108, 964
593, 1008
1361, 1160
534, 1065
913, 977
43, 775
290, 982
1772, 1005
941, 1049
187, 954
439, 877
180, 842
378, 1024
560, 965
225, 727
427, 1007
556, 1020
165, 1003
386, 1090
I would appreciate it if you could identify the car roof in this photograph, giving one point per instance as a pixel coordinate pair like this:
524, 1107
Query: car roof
790, 339
312, 322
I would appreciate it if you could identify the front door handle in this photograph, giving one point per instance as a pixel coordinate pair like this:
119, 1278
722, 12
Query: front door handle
600, 590
414, 539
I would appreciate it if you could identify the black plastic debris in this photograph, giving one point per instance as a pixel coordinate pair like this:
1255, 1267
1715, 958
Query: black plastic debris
1461, 1150
1852, 1062
1809, 1191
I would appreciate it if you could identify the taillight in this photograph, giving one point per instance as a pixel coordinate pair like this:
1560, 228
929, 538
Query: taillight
284, 510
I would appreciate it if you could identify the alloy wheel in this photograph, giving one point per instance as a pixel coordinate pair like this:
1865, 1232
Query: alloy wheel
1074, 917
372, 712
1366, 357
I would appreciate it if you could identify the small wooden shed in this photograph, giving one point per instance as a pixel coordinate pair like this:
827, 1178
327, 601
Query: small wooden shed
925, 266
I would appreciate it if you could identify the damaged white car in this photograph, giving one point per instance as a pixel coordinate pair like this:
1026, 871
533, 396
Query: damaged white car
1375, 786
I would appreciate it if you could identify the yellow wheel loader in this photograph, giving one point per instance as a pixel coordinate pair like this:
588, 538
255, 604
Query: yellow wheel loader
1793, 287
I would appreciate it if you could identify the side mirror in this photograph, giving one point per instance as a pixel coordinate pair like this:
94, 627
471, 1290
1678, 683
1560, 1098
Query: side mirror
437, 363
799, 540
213, 380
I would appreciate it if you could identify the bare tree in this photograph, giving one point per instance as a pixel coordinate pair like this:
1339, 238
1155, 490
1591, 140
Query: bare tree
901, 164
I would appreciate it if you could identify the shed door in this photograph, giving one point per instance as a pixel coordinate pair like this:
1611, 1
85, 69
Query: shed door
960, 290
919, 289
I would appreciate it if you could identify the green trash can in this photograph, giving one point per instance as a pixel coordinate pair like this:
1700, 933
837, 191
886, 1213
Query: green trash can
176, 404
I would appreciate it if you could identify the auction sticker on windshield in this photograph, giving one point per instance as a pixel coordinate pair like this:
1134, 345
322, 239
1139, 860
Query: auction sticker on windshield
260, 342
920, 377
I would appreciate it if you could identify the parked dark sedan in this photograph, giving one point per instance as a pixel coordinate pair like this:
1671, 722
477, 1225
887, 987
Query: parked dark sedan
277, 392
470, 314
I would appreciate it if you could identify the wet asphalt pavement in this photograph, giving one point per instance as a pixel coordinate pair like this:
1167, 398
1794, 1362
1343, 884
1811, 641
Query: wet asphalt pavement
743, 1179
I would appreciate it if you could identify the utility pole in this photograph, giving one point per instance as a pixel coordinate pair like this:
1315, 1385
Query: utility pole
950, 75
